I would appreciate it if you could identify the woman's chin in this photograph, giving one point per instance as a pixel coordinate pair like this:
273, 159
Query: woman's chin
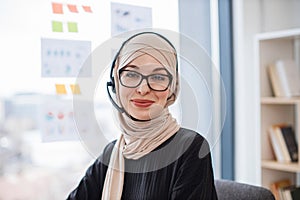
141, 116
146, 114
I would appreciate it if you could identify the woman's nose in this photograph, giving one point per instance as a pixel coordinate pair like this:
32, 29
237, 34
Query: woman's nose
143, 88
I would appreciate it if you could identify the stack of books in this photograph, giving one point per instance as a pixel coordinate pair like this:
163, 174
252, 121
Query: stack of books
284, 190
284, 143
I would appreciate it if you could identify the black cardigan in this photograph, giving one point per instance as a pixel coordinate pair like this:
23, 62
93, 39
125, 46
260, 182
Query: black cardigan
180, 169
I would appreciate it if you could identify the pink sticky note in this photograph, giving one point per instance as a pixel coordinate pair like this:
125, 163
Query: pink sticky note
87, 9
72, 8
57, 8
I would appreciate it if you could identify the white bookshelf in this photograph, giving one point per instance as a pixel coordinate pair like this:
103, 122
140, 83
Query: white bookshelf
272, 110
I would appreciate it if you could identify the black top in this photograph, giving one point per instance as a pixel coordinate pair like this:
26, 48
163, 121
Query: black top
179, 169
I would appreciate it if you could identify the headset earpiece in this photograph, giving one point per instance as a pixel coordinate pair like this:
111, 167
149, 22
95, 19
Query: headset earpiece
113, 86
112, 79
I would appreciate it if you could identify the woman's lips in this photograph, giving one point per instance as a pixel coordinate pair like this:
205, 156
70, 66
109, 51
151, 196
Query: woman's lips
142, 102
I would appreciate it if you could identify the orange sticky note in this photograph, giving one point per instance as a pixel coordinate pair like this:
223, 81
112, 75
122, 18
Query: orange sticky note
87, 9
60, 89
75, 88
72, 8
57, 8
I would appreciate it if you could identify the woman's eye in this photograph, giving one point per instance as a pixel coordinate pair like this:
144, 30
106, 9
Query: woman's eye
132, 75
158, 77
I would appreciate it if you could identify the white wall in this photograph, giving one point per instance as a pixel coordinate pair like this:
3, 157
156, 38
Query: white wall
252, 17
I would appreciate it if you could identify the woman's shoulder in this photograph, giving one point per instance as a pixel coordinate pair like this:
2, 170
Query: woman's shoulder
186, 134
182, 140
106, 153
197, 142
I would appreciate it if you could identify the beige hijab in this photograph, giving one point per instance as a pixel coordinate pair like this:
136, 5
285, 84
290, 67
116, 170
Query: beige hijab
139, 138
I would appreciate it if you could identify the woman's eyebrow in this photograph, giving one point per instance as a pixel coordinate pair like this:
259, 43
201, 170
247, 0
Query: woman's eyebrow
159, 69
137, 67
131, 66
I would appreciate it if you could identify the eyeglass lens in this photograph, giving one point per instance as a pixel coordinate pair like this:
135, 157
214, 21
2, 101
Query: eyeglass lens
159, 82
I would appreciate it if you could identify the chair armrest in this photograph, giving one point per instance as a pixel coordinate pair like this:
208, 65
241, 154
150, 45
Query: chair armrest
231, 190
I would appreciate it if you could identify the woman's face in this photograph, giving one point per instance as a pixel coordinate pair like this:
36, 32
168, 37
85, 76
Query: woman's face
142, 102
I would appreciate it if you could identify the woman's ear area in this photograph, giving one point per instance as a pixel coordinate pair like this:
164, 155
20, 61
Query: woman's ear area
171, 96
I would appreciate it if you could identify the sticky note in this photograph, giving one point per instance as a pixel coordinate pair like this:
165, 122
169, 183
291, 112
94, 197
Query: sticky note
57, 8
75, 88
60, 89
87, 9
72, 8
72, 27
57, 26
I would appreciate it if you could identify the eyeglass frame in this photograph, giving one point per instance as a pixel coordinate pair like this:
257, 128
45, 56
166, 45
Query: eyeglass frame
169, 75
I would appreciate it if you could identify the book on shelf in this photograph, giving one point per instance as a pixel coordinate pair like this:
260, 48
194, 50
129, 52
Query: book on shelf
285, 78
295, 193
284, 143
278, 144
277, 149
291, 192
276, 186
290, 140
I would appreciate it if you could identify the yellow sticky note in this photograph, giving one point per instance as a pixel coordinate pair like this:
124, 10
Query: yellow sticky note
72, 27
60, 89
75, 88
57, 26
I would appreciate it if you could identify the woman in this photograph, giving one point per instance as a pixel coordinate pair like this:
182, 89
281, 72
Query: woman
154, 158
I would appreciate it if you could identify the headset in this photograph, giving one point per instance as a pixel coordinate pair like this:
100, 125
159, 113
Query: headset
111, 83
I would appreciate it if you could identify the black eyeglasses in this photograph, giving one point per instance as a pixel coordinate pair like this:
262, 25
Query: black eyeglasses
156, 82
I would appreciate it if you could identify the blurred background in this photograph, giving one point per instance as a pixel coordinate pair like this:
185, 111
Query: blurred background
43, 45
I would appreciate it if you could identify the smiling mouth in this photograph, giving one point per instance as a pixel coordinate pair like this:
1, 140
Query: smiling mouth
142, 103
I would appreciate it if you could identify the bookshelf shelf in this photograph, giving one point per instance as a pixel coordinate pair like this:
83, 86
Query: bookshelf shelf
269, 48
280, 100
287, 167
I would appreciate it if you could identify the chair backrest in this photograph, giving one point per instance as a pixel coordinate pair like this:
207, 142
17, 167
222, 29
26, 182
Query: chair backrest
231, 190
